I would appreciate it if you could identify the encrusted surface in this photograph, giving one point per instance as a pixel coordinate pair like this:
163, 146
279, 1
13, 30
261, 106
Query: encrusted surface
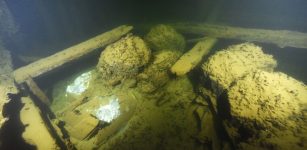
165, 37
193, 57
123, 58
156, 74
227, 65
270, 108
260, 109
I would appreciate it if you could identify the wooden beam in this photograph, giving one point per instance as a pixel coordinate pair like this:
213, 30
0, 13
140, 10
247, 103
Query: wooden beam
34, 88
36, 130
282, 38
57, 60
192, 58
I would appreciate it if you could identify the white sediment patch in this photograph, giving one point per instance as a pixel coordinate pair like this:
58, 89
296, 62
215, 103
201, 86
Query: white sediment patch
108, 112
80, 84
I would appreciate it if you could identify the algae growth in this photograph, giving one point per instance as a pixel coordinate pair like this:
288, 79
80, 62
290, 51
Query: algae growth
133, 101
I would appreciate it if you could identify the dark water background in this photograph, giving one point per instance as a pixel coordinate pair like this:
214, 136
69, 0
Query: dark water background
46, 27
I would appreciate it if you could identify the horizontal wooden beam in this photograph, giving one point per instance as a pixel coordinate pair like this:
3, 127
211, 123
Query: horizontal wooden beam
282, 38
57, 60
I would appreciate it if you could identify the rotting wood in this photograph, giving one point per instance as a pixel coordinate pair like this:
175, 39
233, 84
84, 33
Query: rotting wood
34, 88
80, 125
193, 57
36, 129
44, 65
282, 38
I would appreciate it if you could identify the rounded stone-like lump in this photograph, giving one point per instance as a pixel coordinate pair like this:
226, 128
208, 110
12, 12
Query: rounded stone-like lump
165, 37
123, 58
127, 53
230, 64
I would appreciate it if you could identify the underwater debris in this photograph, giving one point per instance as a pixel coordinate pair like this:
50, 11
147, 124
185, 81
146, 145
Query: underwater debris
35, 90
282, 38
108, 112
165, 106
259, 108
65, 56
264, 109
228, 65
192, 58
123, 59
156, 74
80, 84
36, 128
165, 37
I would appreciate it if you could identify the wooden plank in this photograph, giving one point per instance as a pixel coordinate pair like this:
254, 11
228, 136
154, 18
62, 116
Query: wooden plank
282, 38
34, 88
67, 55
193, 57
80, 125
36, 130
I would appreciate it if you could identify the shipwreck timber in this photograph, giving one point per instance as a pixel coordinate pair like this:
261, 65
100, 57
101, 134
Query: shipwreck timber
192, 58
282, 38
44, 65
28, 73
